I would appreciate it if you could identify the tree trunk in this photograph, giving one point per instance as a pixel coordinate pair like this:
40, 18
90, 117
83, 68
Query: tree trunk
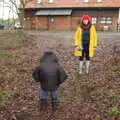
21, 17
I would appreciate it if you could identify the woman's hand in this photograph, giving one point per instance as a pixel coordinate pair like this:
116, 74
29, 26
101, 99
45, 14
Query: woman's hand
78, 48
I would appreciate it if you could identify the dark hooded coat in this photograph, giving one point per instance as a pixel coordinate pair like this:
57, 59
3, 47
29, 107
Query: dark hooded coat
49, 73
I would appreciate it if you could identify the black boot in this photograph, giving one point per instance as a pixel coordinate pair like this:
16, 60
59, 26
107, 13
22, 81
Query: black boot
55, 103
43, 104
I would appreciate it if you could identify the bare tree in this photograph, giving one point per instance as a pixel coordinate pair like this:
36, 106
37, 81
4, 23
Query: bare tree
12, 10
2, 6
17, 7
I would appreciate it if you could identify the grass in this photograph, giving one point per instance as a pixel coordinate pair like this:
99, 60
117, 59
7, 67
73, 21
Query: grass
5, 98
114, 111
4, 54
11, 39
10, 44
5, 94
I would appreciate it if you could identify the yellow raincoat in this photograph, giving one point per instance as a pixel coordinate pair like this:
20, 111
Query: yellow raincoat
78, 41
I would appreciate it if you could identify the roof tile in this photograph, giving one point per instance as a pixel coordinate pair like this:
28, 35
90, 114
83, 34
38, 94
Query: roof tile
73, 3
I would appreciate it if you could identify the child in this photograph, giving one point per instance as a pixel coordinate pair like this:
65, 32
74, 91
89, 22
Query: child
50, 75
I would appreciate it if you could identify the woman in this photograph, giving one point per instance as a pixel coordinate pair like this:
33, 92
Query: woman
85, 42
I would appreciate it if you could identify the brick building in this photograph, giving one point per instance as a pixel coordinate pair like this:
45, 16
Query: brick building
65, 14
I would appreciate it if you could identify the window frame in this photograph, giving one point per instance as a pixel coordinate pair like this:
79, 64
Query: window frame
109, 21
105, 20
39, 1
94, 20
52, 20
50, 1
99, 1
85, 1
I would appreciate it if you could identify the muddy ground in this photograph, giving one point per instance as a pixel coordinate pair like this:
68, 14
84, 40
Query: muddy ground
83, 97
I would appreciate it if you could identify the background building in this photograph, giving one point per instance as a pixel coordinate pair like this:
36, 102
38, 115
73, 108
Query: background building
65, 14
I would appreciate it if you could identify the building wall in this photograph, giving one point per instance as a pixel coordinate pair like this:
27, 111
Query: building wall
76, 14
70, 22
42, 23
27, 24
60, 23
30, 20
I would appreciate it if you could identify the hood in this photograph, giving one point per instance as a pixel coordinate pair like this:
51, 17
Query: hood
49, 57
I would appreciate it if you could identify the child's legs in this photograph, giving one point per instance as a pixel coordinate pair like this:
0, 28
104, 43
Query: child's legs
55, 99
43, 95
55, 94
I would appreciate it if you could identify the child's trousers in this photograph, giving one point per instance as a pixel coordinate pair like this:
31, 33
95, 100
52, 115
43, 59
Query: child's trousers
53, 95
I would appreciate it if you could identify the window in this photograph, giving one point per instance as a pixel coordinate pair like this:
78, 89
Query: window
39, 1
52, 20
109, 20
106, 20
94, 20
99, 0
102, 20
50, 1
86, 0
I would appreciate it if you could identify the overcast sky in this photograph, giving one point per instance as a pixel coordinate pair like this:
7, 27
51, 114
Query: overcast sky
6, 12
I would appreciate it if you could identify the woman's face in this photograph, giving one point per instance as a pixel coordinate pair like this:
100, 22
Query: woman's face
85, 22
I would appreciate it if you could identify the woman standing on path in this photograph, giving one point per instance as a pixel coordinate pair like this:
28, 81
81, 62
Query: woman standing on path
85, 42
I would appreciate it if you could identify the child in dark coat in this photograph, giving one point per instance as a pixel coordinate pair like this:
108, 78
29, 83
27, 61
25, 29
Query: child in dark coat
50, 75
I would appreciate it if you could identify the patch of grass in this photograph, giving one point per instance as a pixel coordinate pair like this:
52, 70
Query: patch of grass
5, 103
11, 39
114, 111
4, 54
4, 98
5, 94
115, 68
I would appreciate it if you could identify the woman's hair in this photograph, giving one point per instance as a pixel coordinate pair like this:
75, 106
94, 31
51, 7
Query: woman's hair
79, 22
85, 17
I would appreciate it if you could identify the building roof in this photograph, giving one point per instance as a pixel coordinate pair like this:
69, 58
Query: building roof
54, 12
73, 4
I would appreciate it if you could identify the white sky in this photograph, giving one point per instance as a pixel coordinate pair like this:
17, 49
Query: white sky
7, 12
